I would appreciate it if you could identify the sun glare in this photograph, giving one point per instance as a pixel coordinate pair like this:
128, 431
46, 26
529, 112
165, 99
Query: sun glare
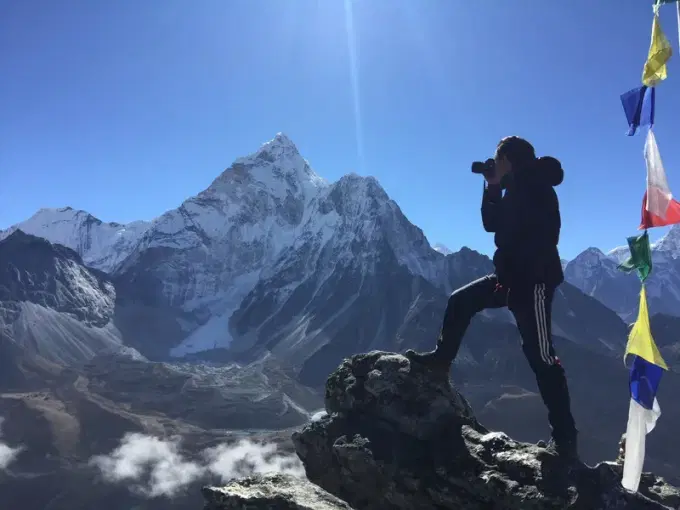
354, 77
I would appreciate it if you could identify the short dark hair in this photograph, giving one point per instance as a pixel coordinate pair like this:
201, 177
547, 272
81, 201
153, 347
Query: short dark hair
516, 149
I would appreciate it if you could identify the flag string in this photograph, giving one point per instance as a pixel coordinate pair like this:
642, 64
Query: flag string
659, 208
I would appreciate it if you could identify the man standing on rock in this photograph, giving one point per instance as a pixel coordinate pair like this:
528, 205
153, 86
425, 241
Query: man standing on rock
526, 223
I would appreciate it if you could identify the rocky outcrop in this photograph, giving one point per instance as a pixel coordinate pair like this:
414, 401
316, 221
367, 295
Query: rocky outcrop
274, 492
395, 437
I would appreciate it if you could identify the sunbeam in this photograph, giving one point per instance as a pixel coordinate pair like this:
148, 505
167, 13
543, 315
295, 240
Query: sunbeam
354, 76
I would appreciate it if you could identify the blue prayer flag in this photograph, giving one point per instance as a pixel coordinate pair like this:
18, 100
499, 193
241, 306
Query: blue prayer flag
644, 381
638, 105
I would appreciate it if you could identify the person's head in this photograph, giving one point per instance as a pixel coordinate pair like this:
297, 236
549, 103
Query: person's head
513, 152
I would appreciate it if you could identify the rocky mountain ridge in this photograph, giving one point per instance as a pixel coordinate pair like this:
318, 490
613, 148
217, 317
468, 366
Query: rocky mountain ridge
53, 306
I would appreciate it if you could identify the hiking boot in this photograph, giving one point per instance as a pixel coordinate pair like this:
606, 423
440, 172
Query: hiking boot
566, 449
434, 360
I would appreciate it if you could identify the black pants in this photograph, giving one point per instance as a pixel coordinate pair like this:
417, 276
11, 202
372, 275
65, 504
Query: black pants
531, 307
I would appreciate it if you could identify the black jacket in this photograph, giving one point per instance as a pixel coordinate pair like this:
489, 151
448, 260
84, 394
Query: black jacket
526, 222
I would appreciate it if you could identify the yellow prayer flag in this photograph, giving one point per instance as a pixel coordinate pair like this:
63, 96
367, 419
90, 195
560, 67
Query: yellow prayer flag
660, 52
640, 340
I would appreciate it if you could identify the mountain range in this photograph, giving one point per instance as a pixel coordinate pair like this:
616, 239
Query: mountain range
271, 257
596, 274
230, 311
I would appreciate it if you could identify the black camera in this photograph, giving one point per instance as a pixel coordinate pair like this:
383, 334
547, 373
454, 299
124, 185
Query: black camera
487, 167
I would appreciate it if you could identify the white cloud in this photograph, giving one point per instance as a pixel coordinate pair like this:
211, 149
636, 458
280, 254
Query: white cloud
246, 458
152, 466
7, 453
156, 467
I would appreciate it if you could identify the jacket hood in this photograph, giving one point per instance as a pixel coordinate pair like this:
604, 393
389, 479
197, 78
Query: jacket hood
544, 170
548, 169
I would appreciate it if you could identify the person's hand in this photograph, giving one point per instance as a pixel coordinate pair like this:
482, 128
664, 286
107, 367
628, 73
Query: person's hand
493, 178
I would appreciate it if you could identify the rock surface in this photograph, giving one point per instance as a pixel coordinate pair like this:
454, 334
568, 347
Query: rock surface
394, 437
274, 492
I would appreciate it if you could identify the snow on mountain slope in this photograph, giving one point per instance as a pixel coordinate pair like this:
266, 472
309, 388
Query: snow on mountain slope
51, 305
261, 197
589, 268
596, 275
352, 293
340, 225
273, 212
619, 254
101, 245
668, 245
375, 283
206, 255
444, 250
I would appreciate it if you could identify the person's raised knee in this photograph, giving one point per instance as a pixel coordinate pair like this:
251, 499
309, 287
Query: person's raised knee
454, 302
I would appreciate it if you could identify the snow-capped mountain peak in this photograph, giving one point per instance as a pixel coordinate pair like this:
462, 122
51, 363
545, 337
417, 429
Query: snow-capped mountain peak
279, 146
593, 254
591, 259
101, 245
444, 250
212, 250
258, 194
277, 168
589, 268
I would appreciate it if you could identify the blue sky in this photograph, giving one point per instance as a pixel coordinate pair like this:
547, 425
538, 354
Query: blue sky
126, 108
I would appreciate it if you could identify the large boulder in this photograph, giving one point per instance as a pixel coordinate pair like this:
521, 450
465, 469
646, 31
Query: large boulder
396, 437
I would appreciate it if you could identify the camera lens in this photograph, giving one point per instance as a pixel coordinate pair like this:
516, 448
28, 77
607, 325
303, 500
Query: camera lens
478, 167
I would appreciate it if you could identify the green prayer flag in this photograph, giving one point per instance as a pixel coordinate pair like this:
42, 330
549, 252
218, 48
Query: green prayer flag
640, 256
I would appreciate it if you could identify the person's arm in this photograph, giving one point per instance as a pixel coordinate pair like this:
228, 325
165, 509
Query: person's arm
491, 198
